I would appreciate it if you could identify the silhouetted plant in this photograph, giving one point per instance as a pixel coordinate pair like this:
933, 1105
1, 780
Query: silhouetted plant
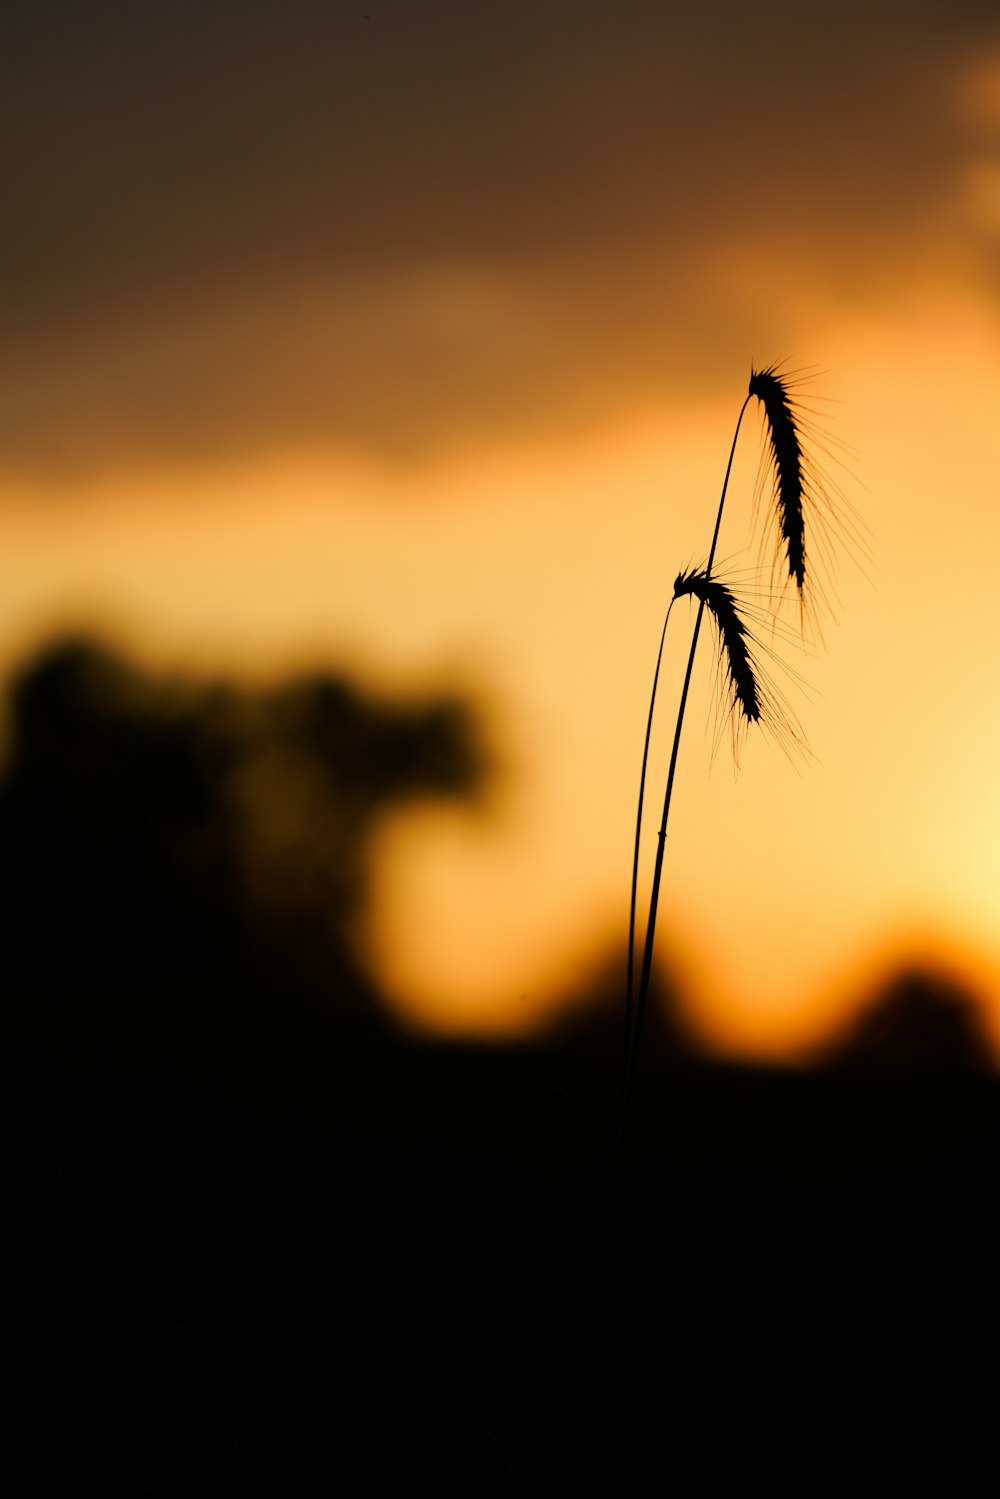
804, 507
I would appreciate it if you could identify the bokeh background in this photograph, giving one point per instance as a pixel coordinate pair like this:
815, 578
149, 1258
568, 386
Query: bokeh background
398, 348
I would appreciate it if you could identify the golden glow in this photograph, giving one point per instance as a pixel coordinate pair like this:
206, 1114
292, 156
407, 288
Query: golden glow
536, 575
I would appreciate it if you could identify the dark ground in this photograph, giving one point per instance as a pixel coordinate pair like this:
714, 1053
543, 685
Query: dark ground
375, 1273
255, 1243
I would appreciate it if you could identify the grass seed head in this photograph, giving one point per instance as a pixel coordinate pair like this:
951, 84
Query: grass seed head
785, 450
734, 639
749, 695
806, 504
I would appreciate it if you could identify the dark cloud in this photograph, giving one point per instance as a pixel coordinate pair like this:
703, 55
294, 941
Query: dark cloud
191, 167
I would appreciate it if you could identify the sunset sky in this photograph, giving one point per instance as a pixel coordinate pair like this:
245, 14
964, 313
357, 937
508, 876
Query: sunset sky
410, 338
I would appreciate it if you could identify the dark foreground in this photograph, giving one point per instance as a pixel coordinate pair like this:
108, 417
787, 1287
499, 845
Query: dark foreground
377, 1274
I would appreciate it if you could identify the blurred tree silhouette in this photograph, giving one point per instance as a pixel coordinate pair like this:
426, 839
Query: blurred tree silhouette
194, 860
922, 1021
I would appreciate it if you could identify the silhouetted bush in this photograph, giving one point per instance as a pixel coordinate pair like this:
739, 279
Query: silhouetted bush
184, 860
921, 1021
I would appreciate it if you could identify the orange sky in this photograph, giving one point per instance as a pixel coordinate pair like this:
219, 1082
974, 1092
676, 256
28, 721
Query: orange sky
417, 346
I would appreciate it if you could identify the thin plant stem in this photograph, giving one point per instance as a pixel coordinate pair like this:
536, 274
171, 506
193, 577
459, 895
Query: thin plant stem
796, 486
634, 1030
633, 1021
635, 856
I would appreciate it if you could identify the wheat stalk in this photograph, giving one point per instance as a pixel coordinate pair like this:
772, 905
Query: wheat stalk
803, 503
798, 492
